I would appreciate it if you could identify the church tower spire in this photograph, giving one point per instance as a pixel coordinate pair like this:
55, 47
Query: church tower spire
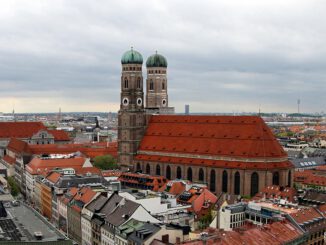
156, 83
131, 116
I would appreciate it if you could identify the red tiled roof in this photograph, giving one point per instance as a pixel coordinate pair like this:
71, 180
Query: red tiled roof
322, 209
42, 166
321, 168
215, 163
275, 233
231, 136
111, 173
305, 215
53, 177
89, 150
175, 187
275, 191
20, 129
59, 135
85, 195
92, 170
315, 179
18, 146
10, 160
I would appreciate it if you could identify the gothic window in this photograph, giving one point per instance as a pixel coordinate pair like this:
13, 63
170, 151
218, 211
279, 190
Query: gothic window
163, 85
254, 184
289, 178
138, 167
212, 182
126, 83
168, 172
237, 183
225, 181
158, 170
179, 174
138, 82
148, 169
151, 85
276, 178
201, 175
189, 174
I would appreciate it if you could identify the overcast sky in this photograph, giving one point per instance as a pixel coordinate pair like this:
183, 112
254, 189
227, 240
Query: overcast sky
223, 56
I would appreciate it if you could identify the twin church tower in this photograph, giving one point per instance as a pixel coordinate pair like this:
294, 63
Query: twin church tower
133, 115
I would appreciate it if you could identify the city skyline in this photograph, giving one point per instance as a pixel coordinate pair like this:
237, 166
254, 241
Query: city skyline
227, 56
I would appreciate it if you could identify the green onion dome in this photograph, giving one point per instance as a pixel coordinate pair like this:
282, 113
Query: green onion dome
156, 60
131, 57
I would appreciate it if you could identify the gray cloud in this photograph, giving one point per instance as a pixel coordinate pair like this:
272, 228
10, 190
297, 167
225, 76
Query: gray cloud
223, 55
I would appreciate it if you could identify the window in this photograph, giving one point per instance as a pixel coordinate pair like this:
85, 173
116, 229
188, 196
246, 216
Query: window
168, 172
212, 184
201, 175
289, 179
148, 169
138, 82
151, 85
163, 85
225, 181
189, 174
158, 170
276, 178
237, 183
254, 184
126, 83
179, 173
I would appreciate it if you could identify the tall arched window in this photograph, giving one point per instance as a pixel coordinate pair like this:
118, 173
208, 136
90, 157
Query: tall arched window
163, 85
126, 83
237, 183
254, 184
276, 178
289, 179
201, 175
225, 181
138, 168
168, 172
158, 170
138, 82
212, 182
179, 173
151, 85
189, 174
148, 169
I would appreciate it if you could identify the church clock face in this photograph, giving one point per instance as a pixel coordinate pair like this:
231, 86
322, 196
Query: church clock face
125, 101
164, 102
139, 101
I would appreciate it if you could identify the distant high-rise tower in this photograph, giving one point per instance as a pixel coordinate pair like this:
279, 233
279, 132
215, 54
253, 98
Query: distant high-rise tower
131, 116
298, 102
59, 115
187, 109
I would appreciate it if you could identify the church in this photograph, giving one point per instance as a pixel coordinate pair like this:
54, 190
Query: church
232, 154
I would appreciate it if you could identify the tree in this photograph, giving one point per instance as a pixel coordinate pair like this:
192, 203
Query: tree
105, 162
13, 186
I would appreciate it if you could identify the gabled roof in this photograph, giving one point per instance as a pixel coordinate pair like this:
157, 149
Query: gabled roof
20, 130
305, 215
43, 166
53, 177
234, 136
18, 146
59, 135
10, 160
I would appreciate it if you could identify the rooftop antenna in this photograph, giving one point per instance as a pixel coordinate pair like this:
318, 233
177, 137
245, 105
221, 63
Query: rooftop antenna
259, 111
